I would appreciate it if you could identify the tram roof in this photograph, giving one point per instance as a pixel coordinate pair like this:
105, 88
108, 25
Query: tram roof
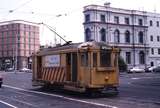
74, 46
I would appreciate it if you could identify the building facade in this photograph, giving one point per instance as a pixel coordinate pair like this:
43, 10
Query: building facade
18, 40
154, 38
129, 30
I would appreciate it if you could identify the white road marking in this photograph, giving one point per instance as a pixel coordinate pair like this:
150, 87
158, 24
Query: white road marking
60, 96
135, 78
8, 104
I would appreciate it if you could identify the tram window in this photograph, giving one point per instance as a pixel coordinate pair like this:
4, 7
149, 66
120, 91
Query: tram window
94, 59
84, 59
105, 59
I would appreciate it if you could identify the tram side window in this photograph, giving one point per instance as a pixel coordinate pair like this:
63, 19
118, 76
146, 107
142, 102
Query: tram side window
94, 59
105, 58
84, 59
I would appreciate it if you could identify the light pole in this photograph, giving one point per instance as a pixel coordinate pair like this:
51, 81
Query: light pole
16, 52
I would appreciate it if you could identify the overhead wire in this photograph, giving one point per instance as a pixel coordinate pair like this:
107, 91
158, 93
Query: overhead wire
13, 10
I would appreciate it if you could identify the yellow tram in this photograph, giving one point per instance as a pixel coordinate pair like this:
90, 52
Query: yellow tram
79, 67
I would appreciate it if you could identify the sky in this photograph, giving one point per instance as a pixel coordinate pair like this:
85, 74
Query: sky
65, 16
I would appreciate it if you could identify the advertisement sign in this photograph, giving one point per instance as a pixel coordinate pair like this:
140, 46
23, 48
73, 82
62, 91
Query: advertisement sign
52, 60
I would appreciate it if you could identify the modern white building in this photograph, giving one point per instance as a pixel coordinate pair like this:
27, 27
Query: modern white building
130, 30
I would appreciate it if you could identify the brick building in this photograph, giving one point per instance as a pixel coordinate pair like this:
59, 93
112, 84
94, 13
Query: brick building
18, 40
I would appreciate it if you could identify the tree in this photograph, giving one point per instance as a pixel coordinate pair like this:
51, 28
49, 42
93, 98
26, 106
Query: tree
122, 65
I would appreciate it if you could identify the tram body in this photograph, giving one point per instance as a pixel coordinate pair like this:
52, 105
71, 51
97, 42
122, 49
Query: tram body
78, 67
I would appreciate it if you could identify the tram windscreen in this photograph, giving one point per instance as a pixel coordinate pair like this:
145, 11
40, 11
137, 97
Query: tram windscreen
105, 58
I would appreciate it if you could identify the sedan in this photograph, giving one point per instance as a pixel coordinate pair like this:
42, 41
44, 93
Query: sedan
25, 70
157, 69
136, 69
150, 69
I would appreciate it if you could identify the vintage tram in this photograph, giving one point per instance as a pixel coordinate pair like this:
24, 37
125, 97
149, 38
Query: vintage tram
88, 66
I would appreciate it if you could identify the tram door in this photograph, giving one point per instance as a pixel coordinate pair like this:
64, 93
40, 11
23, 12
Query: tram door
74, 67
68, 66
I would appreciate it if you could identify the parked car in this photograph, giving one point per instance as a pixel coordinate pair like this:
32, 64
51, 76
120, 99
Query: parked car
150, 69
136, 70
9, 69
25, 70
153, 69
157, 69
1, 81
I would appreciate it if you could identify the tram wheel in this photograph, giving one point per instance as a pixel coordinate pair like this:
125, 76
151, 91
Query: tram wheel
93, 93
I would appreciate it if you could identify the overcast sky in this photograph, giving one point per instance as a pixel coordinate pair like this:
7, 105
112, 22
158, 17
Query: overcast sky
66, 16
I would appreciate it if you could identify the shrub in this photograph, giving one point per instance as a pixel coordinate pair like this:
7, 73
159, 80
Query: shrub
122, 64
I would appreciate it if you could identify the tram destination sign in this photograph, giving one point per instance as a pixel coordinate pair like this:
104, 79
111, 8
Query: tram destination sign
52, 60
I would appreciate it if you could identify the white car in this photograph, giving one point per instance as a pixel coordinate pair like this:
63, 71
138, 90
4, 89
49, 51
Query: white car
136, 69
153, 68
25, 70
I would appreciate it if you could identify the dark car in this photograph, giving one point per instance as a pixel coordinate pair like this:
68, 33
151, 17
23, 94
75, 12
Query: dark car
157, 69
1, 81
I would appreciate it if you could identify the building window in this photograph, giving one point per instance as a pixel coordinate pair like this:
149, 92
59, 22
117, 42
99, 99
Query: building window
103, 34
140, 22
140, 37
158, 38
88, 34
127, 36
151, 38
157, 23
103, 19
141, 57
116, 36
151, 23
152, 51
128, 57
127, 21
87, 18
159, 51
116, 19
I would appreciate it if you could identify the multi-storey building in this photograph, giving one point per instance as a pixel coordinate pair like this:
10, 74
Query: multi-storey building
18, 40
129, 30
154, 38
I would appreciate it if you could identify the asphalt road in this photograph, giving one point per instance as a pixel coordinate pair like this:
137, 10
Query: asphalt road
139, 90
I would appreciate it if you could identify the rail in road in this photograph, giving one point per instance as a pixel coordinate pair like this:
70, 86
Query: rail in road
136, 91
37, 95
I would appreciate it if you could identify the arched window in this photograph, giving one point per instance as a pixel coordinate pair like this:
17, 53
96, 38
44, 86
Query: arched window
141, 57
103, 34
140, 37
88, 34
127, 36
116, 36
